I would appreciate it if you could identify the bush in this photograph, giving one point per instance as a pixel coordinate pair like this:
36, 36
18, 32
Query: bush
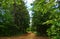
54, 31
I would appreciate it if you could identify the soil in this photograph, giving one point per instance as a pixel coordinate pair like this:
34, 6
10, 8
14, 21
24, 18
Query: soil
25, 36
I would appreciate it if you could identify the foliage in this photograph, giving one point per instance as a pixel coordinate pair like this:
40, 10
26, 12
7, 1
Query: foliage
54, 31
21, 15
42, 13
46, 16
8, 27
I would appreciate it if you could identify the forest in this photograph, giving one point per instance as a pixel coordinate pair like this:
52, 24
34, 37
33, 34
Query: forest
15, 19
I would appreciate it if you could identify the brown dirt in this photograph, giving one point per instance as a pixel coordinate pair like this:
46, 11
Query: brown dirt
25, 36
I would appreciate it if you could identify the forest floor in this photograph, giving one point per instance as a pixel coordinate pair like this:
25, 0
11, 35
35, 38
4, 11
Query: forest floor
25, 36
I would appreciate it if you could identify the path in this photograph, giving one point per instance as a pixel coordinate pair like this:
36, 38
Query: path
26, 36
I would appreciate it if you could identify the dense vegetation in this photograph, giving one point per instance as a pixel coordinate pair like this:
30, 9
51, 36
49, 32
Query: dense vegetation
14, 17
46, 18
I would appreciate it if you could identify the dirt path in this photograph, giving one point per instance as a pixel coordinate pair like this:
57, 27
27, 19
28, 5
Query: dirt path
26, 36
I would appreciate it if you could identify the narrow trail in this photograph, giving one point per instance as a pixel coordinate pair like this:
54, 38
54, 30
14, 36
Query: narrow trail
26, 36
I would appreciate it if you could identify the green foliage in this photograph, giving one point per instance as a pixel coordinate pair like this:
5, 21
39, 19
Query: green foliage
42, 13
14, 20
46, 16
54, 31
21, 15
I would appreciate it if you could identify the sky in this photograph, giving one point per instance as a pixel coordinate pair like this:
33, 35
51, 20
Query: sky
28, 4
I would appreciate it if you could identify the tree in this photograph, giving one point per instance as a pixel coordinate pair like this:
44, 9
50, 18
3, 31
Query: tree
43, 11
15, 19
21, 16
54, 31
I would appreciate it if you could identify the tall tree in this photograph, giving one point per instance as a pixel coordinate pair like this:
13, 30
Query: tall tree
42, 13
21, 16
14, 16
54, 31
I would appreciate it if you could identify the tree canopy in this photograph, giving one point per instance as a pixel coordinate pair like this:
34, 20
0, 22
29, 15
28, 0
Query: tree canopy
46, 16
14, 17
